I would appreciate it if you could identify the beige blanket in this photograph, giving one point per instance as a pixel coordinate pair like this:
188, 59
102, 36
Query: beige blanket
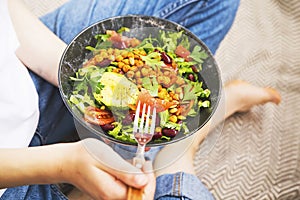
257, 156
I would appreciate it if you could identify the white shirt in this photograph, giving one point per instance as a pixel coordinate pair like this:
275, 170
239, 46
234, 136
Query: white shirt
19, 112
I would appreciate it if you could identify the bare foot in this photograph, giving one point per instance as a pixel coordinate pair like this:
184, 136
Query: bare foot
241, 96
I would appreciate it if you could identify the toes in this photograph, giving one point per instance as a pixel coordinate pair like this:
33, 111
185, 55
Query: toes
245, 95
274, 95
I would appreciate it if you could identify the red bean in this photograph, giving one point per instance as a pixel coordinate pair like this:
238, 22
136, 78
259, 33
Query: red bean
104, 63
169, 132
166, 58
128, 119
107, 127
191, 77
157, 135
194, 68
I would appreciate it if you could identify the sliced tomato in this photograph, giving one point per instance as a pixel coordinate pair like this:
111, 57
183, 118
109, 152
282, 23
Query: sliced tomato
182, 52
122, 42
160, 105
97, 116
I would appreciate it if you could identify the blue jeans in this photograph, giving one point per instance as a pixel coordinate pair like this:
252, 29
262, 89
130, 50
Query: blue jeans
210, 20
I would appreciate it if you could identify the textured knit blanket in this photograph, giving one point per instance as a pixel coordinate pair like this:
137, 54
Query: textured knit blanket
257, 154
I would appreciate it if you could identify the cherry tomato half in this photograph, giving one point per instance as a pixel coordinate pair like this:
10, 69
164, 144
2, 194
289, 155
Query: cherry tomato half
182, 52
97, 116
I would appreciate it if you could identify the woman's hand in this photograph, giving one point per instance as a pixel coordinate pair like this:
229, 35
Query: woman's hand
95, 169
90, 165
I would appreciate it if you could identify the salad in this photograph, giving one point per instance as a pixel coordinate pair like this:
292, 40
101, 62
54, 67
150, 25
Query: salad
161, 71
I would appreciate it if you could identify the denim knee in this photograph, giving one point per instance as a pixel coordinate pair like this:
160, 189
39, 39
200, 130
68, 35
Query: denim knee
181, 186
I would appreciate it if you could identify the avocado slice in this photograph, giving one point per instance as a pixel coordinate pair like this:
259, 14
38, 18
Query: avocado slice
118, 91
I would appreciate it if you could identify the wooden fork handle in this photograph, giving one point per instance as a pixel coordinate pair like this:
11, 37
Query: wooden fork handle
135, 194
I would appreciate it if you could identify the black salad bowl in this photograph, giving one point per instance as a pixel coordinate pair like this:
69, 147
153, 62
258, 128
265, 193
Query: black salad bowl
76, 53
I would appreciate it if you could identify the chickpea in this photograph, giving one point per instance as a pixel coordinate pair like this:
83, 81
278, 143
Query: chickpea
160, 79
173, 78
116, 52
130, 74
152, 73
111, 57
124, 54
167, 73
139, 81
134, 68
166, 80
98, 58
119, 58
180, 81
139, 63
134, 42
145, 71
137, 74
126, 68
104, 54
110, 51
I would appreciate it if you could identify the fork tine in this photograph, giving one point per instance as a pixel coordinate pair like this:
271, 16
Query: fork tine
147, 121
136, 118
153, 121
141, 131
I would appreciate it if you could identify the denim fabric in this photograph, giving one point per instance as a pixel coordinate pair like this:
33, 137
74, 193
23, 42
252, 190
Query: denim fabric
34, 192
181, 186
210, 20
55, 122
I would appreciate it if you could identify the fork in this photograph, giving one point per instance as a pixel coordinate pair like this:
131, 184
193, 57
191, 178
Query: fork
142, 134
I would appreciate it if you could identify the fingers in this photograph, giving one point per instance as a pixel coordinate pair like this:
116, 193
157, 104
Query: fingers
112, 163
101, 185
103, 174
